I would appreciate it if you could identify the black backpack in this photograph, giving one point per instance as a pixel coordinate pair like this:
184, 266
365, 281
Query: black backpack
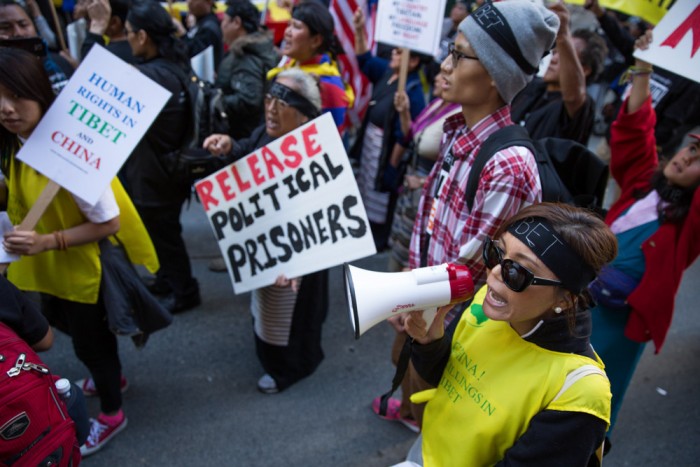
569, 171
207, 116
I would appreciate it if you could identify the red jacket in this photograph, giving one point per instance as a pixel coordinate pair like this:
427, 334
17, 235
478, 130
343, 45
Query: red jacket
672, 248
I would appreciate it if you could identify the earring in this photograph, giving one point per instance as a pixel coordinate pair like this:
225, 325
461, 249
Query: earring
557, 310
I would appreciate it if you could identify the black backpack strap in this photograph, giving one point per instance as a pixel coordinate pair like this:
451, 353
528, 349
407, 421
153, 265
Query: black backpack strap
512, 135
401, 367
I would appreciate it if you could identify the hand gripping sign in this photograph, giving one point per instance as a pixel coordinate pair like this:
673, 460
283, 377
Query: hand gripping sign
90, 129
291, 207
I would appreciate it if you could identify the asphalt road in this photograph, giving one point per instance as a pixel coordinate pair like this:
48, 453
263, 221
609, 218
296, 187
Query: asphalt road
193, 399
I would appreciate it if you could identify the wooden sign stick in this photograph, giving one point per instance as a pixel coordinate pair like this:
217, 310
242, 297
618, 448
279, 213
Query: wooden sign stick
59, 30
37, 210
403, 69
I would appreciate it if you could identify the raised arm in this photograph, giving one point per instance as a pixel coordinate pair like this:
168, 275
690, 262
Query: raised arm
572, 79
641, 74
358, 22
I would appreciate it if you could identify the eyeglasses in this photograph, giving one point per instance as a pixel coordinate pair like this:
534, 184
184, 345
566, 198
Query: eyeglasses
269, 99
516, 277
457, 55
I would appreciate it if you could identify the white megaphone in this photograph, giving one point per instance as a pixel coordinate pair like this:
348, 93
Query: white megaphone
375, 296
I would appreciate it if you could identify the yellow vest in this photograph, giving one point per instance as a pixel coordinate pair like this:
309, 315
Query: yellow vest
492, 386
73, 274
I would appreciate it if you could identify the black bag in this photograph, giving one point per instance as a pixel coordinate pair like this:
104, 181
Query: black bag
131, 308
190, 162
569, 171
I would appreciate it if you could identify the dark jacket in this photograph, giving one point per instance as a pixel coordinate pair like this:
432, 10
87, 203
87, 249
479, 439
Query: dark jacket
206, 32
120, 48
242, 79
544, 114
143, 175
58, 69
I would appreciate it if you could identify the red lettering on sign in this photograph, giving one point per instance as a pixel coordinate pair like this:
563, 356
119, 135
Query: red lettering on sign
252, 161
242, 184
692, 25
226, 190
271, 162
310, 144
204, 189
292, 156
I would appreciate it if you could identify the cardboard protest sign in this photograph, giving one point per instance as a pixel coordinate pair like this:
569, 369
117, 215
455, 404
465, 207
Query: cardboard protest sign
291, 207
411, 24
677, 41
94, 124
649, 10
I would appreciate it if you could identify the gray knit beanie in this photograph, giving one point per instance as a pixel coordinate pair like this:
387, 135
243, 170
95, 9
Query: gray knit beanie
510, 38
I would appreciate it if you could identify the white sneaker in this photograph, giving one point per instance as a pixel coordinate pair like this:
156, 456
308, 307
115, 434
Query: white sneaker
267, 385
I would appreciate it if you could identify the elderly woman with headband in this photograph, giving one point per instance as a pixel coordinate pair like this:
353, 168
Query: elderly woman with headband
517, 381
287, 316
310, 44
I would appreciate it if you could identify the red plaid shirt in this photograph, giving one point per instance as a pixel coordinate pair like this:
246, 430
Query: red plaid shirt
508, 182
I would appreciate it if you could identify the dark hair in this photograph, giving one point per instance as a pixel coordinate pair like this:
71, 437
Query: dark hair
120, 8
246, 11
24, 75
318, 19
423, 59
593, 54
675, 200
584, 232
151, 17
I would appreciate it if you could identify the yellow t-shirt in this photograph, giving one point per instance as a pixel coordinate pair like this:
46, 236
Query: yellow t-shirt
73, 274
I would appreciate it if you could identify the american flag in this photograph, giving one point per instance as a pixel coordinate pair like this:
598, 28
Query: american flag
342, 11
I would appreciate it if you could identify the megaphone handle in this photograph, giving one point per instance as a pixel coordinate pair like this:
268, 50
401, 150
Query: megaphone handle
429, 316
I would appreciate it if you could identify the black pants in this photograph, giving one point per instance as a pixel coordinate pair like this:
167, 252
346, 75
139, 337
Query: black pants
163, 225
94, 344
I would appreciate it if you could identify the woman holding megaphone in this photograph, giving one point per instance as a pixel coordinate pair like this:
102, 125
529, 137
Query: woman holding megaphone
518, 380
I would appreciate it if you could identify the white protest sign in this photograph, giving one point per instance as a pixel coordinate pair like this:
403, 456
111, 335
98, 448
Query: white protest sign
411, 24
291, 207
677, 41
94, 124
203, 64
6, 226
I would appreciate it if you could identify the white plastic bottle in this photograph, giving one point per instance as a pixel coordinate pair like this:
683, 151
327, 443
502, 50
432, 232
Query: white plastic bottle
63, 388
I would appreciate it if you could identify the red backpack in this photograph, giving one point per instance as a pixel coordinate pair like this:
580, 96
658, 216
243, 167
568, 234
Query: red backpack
35, 428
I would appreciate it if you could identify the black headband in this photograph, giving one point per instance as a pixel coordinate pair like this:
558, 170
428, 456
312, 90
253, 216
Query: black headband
293, 99
495, 24
539, 235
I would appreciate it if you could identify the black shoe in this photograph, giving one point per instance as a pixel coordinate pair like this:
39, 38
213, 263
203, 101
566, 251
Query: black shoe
158, 286
179, 304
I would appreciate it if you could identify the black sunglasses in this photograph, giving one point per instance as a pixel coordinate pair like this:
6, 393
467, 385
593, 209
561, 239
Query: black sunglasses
516, 277
457, 55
